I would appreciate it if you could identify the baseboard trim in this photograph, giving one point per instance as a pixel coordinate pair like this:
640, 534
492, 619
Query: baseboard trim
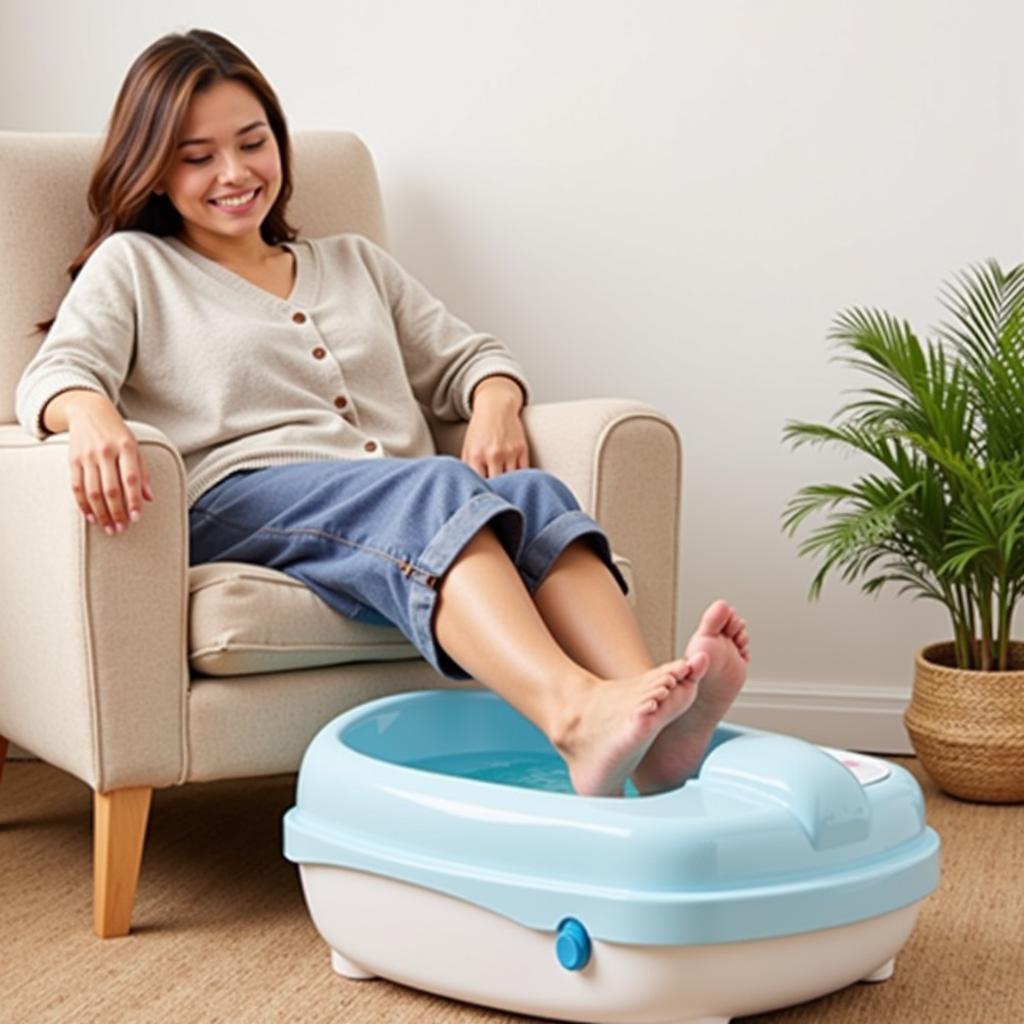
864, 718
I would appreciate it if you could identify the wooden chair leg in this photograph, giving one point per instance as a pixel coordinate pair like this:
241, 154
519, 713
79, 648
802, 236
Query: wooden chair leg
119, 832
3, 755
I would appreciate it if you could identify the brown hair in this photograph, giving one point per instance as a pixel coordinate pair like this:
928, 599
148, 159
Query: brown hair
140, 143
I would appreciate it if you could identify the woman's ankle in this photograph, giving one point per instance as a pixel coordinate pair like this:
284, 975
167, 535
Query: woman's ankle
566, 709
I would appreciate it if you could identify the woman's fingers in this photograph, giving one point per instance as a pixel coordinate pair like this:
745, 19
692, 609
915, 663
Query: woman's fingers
111, 480
132, 476
511, 458
495, 461
94, 493
109, 477
78, 490
115, 498
472, 459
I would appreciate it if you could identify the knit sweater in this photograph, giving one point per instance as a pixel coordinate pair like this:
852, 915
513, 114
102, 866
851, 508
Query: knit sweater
238, 378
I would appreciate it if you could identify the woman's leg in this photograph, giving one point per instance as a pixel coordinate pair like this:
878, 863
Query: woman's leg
566, 563
590, 617
567, 566
486, 621
587, 613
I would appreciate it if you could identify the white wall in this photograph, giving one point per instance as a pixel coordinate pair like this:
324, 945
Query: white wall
663, 200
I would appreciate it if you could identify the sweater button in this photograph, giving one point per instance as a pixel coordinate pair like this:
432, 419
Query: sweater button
341, 401
319, 353
370, 446
299, 318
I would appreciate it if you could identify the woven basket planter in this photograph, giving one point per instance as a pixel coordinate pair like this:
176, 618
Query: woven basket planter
968, 727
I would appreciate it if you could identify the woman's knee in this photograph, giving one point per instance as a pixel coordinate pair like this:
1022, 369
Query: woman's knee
447, 472
535, 488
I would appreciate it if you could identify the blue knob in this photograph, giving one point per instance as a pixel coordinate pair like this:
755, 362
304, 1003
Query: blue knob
572, 945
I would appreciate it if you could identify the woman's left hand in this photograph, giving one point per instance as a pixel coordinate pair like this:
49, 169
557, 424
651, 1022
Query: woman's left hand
495, 440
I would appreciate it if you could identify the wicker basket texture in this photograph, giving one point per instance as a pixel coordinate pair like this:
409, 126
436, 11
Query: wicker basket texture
968, 727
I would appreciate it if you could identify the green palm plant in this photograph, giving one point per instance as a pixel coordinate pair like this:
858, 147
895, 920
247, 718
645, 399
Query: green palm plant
944, 518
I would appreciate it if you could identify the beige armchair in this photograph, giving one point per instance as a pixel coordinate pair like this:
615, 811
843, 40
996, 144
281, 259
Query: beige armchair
126, 668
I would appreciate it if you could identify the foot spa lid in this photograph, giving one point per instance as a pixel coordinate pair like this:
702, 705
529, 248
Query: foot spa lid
774, 836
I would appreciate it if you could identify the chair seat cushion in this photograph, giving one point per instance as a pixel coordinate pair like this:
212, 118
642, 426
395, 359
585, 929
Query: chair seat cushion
246, 619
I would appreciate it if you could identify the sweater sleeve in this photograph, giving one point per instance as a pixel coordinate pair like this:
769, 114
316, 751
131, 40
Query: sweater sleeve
91, 341
444, 357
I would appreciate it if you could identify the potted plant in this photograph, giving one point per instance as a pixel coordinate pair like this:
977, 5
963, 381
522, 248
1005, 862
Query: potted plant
943, 516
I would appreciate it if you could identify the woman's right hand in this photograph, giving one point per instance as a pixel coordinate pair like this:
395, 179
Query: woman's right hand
109, 478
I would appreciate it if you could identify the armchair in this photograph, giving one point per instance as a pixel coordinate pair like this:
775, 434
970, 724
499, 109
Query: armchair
132, 671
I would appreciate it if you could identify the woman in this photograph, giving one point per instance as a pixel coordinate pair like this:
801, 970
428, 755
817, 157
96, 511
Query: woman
287, 371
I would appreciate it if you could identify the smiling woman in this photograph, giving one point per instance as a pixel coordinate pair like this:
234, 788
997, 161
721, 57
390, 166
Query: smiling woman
298, 409
224, 179
225, 175
218, 133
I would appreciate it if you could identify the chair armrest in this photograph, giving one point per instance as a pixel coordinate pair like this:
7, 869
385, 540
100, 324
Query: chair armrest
623, 461
93, 628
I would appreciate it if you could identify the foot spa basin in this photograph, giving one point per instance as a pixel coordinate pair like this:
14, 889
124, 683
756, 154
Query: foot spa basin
440, 845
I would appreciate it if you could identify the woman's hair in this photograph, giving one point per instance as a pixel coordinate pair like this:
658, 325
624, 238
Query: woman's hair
141, 139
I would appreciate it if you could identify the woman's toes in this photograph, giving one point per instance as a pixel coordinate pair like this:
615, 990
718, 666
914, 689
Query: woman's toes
660, 684
654, 698
714, 619
700, 661
736, 627
682, 674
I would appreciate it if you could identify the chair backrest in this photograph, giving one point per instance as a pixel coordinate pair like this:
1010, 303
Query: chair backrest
44, 221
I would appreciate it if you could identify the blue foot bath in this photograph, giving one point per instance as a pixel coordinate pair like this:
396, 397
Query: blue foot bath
440, 845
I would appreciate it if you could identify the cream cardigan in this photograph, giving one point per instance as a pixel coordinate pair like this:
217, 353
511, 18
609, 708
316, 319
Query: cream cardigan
238, 378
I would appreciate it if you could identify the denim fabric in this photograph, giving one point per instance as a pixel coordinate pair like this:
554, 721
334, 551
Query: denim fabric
372, 537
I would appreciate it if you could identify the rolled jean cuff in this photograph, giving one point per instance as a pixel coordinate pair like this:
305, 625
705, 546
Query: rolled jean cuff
536, 561
437, 557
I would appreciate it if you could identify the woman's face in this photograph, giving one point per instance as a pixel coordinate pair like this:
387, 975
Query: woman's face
226, 149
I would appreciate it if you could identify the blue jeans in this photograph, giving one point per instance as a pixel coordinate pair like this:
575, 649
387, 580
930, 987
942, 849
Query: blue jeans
373, 537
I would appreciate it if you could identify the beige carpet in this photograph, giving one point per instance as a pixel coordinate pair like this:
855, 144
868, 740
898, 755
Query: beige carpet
222, 934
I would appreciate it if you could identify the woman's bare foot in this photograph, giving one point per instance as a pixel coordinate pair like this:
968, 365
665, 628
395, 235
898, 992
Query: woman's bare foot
678, 749
614, 723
